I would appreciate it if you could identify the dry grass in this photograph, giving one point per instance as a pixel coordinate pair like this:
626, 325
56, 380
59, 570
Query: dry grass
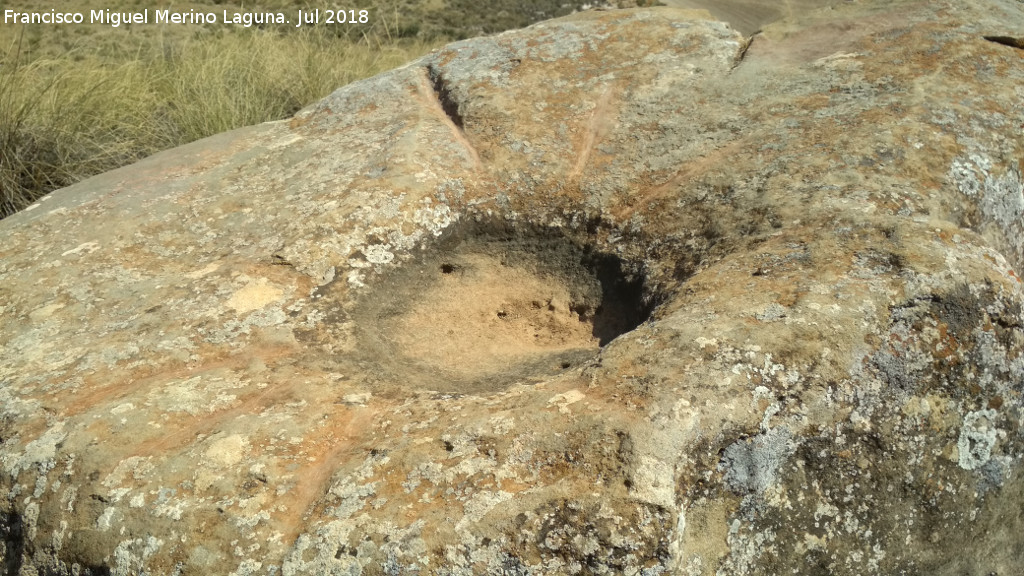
80, 100
71, 108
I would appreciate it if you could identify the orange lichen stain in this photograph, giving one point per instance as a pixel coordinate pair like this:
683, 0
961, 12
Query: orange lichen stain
447, 55
602, 120
946, 346
343, 438
666, 190
897, 343
185, 428
811, 102
513, 486
106, 388
791, 294
875, 116
300, 121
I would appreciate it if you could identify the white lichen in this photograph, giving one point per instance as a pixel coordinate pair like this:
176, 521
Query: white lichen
977, 438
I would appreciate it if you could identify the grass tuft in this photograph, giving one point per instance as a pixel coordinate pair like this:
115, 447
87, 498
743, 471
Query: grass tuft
88, 111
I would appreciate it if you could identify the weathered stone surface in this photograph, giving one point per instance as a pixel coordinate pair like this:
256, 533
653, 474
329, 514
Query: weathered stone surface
750, 16
351, 342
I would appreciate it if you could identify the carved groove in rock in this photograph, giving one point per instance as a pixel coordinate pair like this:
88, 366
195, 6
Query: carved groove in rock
444, 96
1007, 41
492, 303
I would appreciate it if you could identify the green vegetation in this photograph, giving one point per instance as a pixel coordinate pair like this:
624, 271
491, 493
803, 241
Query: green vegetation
77, 100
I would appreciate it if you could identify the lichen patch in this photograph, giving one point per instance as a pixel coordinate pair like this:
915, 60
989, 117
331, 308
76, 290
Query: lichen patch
254, 295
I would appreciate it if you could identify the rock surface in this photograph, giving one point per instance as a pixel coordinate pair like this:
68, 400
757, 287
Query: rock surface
619, 293
750, 16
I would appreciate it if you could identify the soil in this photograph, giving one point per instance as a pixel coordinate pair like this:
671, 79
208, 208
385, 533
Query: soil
481, 316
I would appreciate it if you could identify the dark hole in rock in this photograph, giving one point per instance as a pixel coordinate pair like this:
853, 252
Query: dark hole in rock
12, 541
527, 301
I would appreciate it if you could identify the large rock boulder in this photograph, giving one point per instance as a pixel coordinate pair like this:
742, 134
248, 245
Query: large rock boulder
625, 292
